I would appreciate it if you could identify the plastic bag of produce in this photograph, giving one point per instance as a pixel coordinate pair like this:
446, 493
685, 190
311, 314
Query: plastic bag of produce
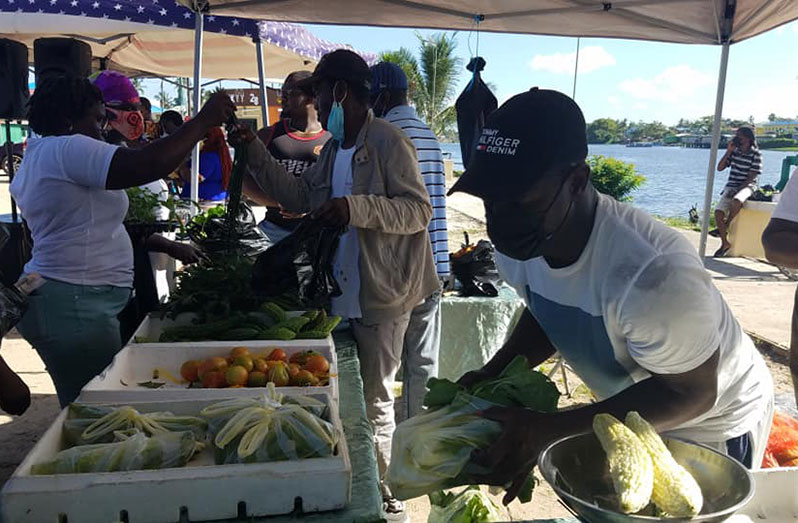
87, 424
133, 452
469, 506
300, 263
474, 266
431, 451
270, 428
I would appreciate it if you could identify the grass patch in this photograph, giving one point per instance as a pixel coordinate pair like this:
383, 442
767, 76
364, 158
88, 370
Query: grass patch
784, 149
681, 222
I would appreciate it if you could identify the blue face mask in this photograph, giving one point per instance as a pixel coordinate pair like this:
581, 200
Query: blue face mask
335, 121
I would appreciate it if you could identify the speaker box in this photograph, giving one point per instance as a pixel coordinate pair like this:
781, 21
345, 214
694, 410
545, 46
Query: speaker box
14, 91
61, 56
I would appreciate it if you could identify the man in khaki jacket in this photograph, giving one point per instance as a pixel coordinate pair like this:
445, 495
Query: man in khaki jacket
366, 177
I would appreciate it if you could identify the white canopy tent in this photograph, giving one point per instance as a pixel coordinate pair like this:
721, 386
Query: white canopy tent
710, 22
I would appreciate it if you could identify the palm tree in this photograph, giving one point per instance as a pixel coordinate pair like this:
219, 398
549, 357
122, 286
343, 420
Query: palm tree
432, 78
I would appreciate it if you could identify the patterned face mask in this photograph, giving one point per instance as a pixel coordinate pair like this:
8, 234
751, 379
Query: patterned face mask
129, 124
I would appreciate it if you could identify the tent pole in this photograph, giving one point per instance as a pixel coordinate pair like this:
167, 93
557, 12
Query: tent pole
264, 101
195, 154
713, 154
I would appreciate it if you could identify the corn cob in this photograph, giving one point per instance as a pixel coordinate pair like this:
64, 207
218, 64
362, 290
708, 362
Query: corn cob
675, 492
277, 333
630, 465
275, 311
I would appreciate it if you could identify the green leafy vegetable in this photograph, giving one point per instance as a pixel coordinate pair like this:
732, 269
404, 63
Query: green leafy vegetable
143, 205
469, 506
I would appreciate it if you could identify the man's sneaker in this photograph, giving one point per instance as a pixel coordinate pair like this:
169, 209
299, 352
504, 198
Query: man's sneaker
394, 510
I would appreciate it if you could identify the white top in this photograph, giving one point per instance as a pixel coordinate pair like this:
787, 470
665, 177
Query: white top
346, 266
76, 224
787, 208
639, 301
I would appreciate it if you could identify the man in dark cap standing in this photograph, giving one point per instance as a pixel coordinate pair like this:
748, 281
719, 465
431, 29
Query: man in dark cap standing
624, 299
366, 178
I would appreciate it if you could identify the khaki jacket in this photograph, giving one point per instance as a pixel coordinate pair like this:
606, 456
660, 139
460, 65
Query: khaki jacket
389, 206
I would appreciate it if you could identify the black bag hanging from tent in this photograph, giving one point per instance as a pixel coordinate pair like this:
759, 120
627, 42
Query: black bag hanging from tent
473, 106
300, 264
474, 266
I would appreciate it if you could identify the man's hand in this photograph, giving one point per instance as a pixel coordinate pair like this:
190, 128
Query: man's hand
469, 379
333, 213
511, 458
217, 110
731, 147
243, 135
185, 252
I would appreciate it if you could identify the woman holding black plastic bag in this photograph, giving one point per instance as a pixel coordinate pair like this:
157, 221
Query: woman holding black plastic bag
69, 188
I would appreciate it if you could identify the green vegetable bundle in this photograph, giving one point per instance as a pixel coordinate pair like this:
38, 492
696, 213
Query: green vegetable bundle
272, 428
87, 424
432, 451
135, 451
469, 506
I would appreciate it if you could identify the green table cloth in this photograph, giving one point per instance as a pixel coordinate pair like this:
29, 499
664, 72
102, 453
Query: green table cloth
366, 503
473, 329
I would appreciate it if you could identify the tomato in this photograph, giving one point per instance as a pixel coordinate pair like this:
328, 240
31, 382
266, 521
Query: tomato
293, 369
189, 371
260, 365
244, 361
211, 364
214, 380
278, 374
277, 355
239, 351
302, 357
317, 364
237, 375
304, 378
256, 379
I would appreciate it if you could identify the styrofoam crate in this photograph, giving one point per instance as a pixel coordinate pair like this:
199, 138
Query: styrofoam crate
201, 490
135, 364
775, 496
151, 327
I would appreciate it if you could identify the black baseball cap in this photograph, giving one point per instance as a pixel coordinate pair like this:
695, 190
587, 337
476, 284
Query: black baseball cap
528, 135
339, 65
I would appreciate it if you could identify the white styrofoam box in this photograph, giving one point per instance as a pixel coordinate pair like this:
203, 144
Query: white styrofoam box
776, 496
152, 326
202, 490
135, 364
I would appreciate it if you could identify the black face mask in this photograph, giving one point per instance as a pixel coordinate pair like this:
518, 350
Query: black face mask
518, 233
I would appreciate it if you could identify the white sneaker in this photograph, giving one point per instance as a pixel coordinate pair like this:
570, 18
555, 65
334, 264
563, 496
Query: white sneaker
394, 510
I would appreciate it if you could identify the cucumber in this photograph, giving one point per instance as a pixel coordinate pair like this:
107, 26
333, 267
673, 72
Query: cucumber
294, 324
240, 333
275, 311
277, 333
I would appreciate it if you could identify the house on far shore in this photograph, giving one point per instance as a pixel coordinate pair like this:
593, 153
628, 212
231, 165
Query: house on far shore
778, 128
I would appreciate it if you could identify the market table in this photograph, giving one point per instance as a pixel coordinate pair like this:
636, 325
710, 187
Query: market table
473, 329
366, 503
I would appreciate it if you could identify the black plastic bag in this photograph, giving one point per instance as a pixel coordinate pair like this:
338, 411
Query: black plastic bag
222, 234
474, 266
300, 264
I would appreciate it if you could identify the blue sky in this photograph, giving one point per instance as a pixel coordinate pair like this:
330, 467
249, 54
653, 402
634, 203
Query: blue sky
621, 78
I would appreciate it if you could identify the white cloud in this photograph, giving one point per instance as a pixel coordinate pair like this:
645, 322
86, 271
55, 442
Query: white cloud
614, 101
777, 97
674, 84
591, 58
640, 106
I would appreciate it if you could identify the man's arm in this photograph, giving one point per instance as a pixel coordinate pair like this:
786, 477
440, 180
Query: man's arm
273, 180
254, 193
780, 241
406, 209
528, 339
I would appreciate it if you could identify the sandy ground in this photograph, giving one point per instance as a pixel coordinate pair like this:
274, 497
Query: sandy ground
760, 297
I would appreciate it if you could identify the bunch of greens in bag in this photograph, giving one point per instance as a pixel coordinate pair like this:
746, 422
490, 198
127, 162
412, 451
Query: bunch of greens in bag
432, 451
88, 424
133, 450
271, 428
472, 505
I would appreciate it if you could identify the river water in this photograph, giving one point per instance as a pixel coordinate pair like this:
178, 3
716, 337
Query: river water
675, 176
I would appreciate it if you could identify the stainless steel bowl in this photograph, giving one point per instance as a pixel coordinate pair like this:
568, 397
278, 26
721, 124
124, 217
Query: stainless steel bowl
576, 468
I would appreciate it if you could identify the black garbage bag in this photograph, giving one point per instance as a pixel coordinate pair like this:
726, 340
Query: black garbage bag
474, 266
473, 106
224, 234
300, 264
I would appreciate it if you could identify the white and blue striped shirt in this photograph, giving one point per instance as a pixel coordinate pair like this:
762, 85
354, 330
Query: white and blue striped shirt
430, 163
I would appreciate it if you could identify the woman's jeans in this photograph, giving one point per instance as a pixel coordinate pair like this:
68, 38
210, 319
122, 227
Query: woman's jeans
75, 330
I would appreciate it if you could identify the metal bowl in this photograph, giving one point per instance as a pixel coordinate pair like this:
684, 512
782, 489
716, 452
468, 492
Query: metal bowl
576, 468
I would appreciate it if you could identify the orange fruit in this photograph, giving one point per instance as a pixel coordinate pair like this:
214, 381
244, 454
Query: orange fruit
235, 352
244, 361
211, 364
277, 355
317, 364
189, 371
278, 374
260, 365
214, 380
256, 379
304, 378
236, 375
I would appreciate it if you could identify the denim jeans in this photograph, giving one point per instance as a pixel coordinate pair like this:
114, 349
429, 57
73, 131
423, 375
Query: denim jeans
75, 330
420, 354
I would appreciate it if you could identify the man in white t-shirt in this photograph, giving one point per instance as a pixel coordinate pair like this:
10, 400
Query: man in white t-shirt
780, 240
624, 299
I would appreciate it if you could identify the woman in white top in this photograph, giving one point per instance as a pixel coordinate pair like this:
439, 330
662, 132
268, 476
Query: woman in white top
70, 190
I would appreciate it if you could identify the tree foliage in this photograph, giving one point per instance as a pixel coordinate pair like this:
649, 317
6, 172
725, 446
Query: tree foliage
432, 78
614, 177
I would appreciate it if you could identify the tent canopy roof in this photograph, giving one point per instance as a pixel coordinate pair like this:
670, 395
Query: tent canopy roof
680, 21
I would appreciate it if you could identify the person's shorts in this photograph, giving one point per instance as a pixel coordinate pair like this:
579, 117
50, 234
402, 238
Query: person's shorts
729, 195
